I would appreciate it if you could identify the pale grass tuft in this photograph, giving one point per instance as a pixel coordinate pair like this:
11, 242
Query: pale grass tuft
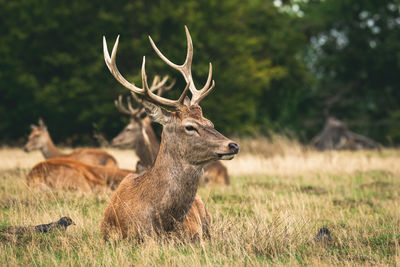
276, 145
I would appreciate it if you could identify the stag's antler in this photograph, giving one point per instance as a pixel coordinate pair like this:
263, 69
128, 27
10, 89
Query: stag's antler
185, 69
112, 66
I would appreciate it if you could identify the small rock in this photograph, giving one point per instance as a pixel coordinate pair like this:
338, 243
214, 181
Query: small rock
61, 224
323, 235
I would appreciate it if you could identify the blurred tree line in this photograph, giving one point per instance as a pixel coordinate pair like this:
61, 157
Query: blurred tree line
279, 66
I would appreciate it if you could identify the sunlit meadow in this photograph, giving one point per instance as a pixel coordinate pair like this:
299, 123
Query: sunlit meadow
281, 194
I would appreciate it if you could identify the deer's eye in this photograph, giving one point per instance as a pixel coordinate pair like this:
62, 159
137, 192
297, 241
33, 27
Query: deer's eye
190, 128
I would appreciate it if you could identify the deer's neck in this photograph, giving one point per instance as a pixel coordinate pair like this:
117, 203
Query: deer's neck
180, 182
147, 145
49, 150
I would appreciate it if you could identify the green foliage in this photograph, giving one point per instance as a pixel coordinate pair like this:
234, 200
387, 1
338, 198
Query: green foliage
52, 64
274, 70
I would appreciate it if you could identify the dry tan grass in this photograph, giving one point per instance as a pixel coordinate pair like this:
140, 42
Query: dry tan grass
12, 158
279, 156
280, 195
316, 162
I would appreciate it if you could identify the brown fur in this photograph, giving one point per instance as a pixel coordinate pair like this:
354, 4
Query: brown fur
215, 173
40, 139
62, 173
160, 198
197, 221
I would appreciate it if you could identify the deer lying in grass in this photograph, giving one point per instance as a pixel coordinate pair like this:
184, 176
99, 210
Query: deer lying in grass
140, 135
63, 173
40, 139
158, 200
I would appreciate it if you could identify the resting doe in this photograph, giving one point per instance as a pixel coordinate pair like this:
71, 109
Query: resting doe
40, 139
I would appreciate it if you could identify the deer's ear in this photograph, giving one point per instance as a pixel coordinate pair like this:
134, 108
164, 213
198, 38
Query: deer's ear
157, 113
42, 125
186, 101
33, 127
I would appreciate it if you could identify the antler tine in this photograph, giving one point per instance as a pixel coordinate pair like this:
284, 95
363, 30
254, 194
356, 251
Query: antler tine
131, 112
186, 70
112, 66
155, 81
204, 94
156, 98
146, 91
135, 97
120, 107
131, 109
157, 84
164, 89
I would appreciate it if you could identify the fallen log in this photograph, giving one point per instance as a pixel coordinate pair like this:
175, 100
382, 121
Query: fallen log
336, 136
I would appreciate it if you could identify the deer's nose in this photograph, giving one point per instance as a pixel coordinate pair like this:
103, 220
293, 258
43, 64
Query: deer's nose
234, 147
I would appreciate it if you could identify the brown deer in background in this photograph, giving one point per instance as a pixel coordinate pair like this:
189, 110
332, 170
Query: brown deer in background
40, 139
139, 135
158, 200
64, 173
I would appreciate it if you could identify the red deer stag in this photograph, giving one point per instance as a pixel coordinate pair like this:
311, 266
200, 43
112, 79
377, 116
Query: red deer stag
139, 135
40, 139
159, 199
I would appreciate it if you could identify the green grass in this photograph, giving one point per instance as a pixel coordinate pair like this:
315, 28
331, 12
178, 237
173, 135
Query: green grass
259, 220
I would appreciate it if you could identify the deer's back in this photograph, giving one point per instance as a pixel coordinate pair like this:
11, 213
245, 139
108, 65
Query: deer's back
64, 174
94, 156
215, 173
112, 176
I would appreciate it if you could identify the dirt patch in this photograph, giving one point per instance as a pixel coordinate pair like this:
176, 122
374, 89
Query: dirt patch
315, 190
352, 203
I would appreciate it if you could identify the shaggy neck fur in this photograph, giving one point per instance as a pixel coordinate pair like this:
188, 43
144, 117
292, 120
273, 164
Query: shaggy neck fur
180, 180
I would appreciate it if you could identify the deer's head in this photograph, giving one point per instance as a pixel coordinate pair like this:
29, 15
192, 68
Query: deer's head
132, 131
186, 132
38, 138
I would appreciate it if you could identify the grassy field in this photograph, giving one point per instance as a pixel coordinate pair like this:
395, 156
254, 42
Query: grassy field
281, 194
